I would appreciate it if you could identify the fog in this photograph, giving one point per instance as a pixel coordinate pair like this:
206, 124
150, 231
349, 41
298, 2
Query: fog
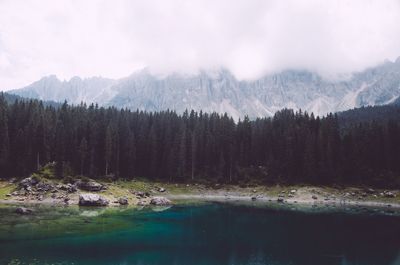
249, 37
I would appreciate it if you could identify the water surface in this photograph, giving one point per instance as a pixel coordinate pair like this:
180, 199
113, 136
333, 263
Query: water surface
209, 234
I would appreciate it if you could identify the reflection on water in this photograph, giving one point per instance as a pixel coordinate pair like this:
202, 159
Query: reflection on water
214, 234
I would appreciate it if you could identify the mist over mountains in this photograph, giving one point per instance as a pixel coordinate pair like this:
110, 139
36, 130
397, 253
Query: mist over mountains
221, 92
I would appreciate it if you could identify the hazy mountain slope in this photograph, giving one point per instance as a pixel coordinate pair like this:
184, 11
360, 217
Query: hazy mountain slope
76, 90
220, 91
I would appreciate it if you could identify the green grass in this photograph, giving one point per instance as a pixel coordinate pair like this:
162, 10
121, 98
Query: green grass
6, 188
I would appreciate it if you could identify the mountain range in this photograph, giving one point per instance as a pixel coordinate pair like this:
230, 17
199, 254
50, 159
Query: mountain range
221, 92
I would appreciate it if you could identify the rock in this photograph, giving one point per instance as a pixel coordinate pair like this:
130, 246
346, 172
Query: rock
8, 195
90, 186
254, 191
23, 210
43, 186
123, 201
27, 182
160, 201
12, 180
15, 193
40, 198
281, 200
70, 188
314, 197
253, 198
90, 199
53, 196
370, 191
140, 194
161, 189
389, 194
141, 203
293, 191
160, 208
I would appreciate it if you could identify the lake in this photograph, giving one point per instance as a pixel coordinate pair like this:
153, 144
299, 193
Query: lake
206, 233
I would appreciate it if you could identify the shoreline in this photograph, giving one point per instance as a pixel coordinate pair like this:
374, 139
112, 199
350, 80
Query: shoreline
229, 198
140, 193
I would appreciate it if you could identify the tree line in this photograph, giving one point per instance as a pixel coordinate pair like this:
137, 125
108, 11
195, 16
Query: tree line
290, 147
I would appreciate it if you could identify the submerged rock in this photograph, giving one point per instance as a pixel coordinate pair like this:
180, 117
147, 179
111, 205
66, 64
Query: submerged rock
23, 210
160, 201
160, 208
90, 199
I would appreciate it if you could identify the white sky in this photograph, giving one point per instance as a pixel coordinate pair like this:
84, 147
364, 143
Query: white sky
114, 38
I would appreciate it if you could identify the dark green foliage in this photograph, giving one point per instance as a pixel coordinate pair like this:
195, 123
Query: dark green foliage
291, 147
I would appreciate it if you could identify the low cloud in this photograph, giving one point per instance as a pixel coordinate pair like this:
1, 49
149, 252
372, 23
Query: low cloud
249, 37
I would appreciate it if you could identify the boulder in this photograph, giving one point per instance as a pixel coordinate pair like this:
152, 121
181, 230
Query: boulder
293, 191
253, 198
160, 201
389, 194
23, 210
28, 182
43, 186
161, 189
140, 194
90, 199
141, 203
70, 188
90, 186
123, 201
314, 197
281, 200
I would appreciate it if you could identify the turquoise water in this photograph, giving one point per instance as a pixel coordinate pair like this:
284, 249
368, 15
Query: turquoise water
209, 234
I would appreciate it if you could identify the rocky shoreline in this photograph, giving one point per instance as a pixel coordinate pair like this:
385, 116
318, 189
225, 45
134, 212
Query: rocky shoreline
83, 193
92, 193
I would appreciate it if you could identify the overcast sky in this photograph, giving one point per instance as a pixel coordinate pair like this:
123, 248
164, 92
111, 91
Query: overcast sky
114, 38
